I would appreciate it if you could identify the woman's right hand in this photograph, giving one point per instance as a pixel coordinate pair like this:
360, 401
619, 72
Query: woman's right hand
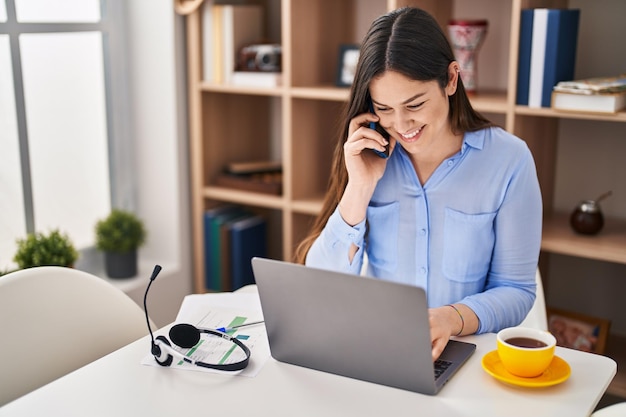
364, 166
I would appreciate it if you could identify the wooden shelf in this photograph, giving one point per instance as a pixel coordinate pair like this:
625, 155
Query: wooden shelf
549, 112
307, 206
609, 245
236, 89
321, 93
296, 122
301, 122
243, 197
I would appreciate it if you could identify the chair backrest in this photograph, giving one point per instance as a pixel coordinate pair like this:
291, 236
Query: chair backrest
537, 317
54, 320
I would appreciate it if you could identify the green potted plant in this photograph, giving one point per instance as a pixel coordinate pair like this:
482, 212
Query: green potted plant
119, 236
39, 249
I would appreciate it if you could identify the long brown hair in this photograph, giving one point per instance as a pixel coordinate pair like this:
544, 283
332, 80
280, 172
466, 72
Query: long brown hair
408, 41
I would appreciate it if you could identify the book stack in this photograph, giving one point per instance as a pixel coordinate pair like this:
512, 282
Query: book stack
232, 237
258, 176
226, 28
257, 79
596, 95
547, 53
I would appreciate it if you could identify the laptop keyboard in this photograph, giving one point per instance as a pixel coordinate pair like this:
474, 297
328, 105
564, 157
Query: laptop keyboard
441, 366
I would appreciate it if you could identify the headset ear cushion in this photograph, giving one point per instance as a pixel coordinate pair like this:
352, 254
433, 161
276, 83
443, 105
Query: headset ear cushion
184, 335
169, 359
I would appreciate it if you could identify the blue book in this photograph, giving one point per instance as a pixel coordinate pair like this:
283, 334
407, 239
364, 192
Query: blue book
248, 238
523, 64
221, 233
219, 252
561, 45
553, 52
211, 245
208, 243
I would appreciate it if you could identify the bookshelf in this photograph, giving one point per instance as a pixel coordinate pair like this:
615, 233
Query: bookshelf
296, 123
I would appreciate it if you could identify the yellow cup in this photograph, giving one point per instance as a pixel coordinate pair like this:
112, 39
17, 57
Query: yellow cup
524, 351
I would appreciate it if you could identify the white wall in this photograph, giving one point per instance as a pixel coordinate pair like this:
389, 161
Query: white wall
158, 126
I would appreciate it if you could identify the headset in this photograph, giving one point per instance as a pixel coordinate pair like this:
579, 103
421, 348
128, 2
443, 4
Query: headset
186, 336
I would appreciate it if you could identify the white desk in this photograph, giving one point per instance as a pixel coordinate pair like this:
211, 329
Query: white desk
118, 385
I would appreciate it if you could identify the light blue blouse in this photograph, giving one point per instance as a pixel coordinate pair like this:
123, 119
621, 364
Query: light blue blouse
471, 234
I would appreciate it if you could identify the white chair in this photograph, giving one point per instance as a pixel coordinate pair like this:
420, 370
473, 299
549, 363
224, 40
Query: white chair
54, 320
537, 317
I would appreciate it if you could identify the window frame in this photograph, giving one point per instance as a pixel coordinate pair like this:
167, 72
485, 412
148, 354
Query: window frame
122, 178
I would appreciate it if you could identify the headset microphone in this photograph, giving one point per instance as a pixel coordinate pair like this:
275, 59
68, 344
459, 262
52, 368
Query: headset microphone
187, 336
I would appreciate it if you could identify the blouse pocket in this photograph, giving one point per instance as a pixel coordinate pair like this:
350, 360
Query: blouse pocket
382, 234
468, 245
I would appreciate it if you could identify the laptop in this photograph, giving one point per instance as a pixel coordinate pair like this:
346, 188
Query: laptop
352, 325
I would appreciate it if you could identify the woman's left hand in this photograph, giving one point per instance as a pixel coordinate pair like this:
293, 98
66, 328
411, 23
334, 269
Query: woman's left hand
446, 321
442, 325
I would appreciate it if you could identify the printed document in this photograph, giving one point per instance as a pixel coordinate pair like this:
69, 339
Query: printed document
213, 311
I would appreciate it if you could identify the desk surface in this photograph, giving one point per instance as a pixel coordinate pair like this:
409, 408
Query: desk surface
118, 385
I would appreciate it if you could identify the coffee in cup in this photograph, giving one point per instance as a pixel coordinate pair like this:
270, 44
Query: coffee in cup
524, 351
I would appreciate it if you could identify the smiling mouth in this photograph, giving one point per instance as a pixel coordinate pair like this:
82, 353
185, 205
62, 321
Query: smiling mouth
412, 134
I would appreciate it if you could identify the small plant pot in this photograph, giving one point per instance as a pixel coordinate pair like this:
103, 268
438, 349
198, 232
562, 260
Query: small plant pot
120, 265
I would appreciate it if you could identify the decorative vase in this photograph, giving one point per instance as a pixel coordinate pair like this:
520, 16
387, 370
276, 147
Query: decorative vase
120, 264
466, 38
587, 217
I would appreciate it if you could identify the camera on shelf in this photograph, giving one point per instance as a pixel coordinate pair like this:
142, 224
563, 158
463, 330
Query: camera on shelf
263, 57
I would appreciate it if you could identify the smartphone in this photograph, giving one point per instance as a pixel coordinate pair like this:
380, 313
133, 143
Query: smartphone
374, 125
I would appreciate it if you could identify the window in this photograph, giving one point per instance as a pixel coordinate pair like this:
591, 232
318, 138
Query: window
62, 135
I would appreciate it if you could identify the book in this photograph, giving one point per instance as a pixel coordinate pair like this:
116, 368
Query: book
248, 239
213, 220
596, 95
597, 85
219, 259
234, 26
266, 183
257, 79
233, 235
561, 46
537, 56
553, 52
210, 244
523, 64
594, 103
208, 45
253, 167
223, 235
218, 50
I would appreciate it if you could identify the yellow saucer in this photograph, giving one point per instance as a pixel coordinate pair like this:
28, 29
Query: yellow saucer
557, 372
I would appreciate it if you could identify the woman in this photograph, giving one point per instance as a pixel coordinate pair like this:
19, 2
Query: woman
455, 208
